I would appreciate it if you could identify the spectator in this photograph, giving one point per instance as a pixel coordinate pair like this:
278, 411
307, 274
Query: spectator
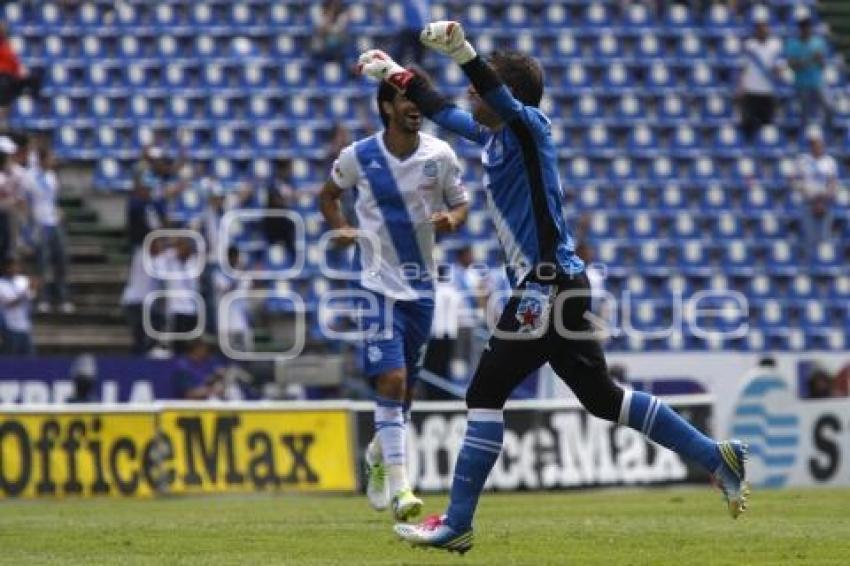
281, 196
448, 303
140, 284
417, 13
50, 237
16, 294
15, 79
806, 55
595, 276
83, 375
330, 40
496, 293
757, 82
156, 171
841, 382
198, 375
817, 181
469, 283
25, 185
144, 215
9, 199
820, 384
179, 269
217, 203
236, 324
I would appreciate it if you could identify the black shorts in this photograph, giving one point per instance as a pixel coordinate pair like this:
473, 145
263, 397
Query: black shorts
546, 322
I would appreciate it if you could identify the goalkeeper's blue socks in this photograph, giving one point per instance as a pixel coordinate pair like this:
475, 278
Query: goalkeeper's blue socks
644, 412
481, 447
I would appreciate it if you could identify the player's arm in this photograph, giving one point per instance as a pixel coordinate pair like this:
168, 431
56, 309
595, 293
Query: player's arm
329, 196
344, 175
455, 196
449, 38
450, 220
380, 66
439, 110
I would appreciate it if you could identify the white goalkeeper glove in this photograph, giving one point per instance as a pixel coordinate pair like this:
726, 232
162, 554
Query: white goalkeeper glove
379, 66
448, 38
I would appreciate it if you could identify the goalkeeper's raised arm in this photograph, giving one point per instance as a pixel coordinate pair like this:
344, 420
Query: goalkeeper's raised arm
378, 65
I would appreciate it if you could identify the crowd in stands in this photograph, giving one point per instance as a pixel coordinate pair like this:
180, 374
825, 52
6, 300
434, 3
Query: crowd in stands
31, 227
31, 234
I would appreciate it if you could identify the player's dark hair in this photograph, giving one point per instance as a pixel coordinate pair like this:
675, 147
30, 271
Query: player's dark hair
522, 74
387, 92
21, 139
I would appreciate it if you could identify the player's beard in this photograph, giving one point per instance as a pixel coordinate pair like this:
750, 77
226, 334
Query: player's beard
410, 123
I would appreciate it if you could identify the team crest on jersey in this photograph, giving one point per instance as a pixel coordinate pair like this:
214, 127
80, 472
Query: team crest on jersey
374, 353
429, 169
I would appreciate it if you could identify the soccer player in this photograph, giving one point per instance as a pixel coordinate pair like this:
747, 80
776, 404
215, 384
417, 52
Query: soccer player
404, 179
544, 321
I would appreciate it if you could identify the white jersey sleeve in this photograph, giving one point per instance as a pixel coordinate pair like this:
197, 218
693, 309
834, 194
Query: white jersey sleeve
346, 172
454, 193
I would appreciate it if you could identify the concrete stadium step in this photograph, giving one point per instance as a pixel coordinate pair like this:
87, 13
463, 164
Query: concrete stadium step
84, 314
98, 273
76, 338
112, 288
95, 230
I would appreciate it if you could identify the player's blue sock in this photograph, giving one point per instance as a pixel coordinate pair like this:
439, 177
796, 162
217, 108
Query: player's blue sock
644, 412
481, 447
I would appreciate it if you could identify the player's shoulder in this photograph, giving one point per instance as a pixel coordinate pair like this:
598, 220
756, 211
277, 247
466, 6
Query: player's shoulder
436, 146
348, 154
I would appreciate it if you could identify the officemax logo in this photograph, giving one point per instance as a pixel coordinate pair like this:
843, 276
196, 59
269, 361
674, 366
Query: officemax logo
145, 455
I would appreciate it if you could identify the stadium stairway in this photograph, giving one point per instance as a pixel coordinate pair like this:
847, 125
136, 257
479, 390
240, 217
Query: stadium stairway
97, 273
837, 14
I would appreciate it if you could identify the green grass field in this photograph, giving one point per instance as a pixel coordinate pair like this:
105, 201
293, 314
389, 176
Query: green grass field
668, 526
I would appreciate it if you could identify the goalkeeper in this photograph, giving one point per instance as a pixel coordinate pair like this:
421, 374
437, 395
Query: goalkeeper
545, 319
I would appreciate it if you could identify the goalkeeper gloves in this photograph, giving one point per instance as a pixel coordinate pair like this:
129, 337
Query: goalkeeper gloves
449, 39
378, 65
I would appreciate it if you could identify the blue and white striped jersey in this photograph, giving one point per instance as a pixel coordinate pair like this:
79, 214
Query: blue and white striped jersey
394, 200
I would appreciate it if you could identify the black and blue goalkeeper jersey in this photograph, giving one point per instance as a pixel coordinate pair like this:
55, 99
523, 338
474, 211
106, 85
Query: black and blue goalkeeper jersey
523, 187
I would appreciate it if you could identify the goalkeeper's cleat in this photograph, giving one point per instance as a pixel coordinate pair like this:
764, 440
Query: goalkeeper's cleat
434, 532
377, 487
731, 475
406, 506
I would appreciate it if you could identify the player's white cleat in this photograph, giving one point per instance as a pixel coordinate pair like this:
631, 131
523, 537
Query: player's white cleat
406, 506
435, 533
377, 487
731, 475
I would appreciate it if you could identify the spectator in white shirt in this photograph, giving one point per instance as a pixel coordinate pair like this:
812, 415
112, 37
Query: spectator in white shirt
762, 65
817, 182
235, 324
140, 284
470, 284
50, 237
448, 303
25, 186
16, 294
11, 197
179, 269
